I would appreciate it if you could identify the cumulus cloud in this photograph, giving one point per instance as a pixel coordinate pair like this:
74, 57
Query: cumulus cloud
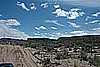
32, 6
37, 28
60, 13
44, 5
72, 14
22, 4
56, 6
6, 29
74, 25
41, 28
96, 14
54, 28
54, 21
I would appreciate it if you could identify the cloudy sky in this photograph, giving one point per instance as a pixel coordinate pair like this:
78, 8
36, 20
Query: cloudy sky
49, 18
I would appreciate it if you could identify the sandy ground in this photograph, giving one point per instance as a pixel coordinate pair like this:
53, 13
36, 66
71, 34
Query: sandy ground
23, 57
19, 56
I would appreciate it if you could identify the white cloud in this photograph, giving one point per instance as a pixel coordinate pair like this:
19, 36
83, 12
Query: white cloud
10, 22
81, 13
49, 35
55, 35
96, 29
76, 32
37, 34
93, 15
74, 9
0, 15
54, 21
81, 33
32, 6
60, 13
41, 35
86, 3
87, 18
21, 4
94, 21
37, 28
72, 14
58, 34
86, 23
56, 6
41, 28
44, 5
74, 25
96, 14
54, 28
6, 29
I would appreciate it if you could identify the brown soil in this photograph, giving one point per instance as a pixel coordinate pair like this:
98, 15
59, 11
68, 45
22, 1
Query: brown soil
19, 56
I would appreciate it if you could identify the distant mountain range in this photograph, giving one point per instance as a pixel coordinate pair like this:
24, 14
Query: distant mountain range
92, 38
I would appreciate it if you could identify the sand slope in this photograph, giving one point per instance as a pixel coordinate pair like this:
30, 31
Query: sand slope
19, 56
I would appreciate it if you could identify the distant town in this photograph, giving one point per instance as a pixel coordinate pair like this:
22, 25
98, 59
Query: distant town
77, 51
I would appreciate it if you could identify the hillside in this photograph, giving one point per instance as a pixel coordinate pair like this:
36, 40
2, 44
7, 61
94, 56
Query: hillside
78, 51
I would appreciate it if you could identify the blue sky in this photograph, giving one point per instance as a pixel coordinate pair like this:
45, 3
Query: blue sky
49, 18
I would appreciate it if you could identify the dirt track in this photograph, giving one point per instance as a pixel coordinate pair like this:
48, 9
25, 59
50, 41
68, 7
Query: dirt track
17, 55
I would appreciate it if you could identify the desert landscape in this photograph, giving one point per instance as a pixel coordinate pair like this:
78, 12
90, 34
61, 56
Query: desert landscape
17, 55
49, 33
82, 51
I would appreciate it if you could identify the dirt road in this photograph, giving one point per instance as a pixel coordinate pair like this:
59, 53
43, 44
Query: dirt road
19, 56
